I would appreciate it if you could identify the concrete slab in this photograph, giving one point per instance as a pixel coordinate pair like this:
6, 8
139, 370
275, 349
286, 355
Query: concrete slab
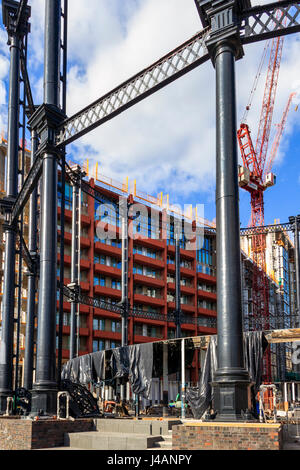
149, 427
96, 440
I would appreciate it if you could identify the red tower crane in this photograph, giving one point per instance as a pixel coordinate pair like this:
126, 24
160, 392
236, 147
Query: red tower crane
255, 177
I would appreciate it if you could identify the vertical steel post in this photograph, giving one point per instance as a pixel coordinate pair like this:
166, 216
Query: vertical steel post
32, 277
123, 211
45, 387
6, 343
165, 380
182, 378
75, 282
63, 196
177, 287
124, 283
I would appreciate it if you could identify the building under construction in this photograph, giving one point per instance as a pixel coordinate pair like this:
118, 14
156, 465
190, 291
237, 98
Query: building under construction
152, 276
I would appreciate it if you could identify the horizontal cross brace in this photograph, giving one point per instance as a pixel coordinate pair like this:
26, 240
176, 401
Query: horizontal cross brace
26, 254
172, 66
27, 188
115, 308
267, 229
263, 22
31, 106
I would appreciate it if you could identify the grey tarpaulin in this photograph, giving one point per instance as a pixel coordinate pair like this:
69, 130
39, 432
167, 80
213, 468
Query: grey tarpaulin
140, 368
98, 365
119, 362
78, 370
135, 362
199, 398
71, 370
85, 367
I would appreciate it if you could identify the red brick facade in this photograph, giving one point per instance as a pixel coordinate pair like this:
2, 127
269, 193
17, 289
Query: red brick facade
22, 434
227, 436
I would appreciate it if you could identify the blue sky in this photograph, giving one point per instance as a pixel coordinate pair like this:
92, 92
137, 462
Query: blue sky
166, 142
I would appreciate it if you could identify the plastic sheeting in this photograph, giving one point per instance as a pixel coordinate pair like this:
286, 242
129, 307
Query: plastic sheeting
200, 398
134, 362
140, 368
97, 365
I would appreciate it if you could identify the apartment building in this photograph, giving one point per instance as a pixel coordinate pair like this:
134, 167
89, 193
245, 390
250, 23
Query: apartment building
151, 253
280, 278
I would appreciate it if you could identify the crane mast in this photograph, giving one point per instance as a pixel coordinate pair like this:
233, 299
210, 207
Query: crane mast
251, 179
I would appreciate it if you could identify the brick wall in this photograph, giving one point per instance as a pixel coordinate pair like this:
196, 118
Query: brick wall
227, 436
20, 434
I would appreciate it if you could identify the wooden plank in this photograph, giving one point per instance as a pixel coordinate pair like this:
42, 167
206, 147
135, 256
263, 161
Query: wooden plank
289, 335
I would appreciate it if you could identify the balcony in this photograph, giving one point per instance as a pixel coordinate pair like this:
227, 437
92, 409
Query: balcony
139, 339
67, 307
85, 286
107, 292
148, 281
99, 334
141, 259
84, 263
183, 289
145, 299
85, 219
211, 278
205, 311
84, 241
108, 249
109, 270
104, 227
187, 254
150, 242
187, 272
188, 308
82, 331
207, 295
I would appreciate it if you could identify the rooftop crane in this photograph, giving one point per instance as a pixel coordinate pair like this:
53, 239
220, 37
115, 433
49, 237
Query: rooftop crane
255, 176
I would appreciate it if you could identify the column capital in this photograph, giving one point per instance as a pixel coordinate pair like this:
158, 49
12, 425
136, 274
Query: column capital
15, 18
224, 18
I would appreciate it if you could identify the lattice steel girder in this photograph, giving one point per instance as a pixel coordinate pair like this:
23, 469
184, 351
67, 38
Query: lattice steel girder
267, 229
27, 188
261, 23
172, 66
256, 24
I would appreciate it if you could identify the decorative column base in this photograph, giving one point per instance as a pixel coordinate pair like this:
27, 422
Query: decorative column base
232, 401
44, 400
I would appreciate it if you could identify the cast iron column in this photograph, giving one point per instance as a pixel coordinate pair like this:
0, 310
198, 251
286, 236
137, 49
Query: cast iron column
45, 387
32, 277
6, 343
231, 381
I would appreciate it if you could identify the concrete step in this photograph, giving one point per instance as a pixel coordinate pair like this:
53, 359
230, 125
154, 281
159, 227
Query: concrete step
97, 440
149, 427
